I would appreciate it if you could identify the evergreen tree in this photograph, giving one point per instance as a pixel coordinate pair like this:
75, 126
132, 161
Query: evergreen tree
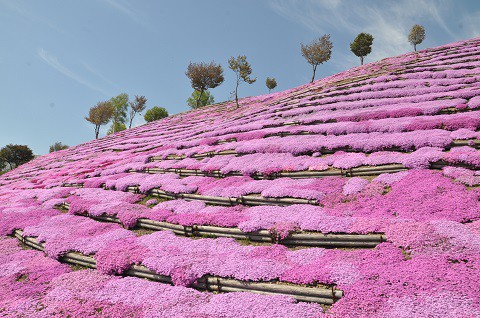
271, 83
362, 45
155, 113
195, 101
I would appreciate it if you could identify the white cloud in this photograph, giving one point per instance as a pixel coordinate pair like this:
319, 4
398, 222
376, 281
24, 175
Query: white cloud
121, 7
95, 72
316, 16
125, 8
24, 10
471, 24
53, 62
388, 21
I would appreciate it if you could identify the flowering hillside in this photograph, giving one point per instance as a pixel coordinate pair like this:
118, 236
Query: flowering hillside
354, 196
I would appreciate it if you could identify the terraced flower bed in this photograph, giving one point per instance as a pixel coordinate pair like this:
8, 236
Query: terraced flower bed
353, 196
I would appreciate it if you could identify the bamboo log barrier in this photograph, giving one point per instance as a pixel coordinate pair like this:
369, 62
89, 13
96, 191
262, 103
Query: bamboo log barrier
73, 185
223, 201
325, 295
456, 143
231, 201
450, 110
297, 239
353, 172
253, 200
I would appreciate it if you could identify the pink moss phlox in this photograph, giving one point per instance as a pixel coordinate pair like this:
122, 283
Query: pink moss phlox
465, 176
474, 102
118, 256
64, 233
151, 202
413, 111
354, 185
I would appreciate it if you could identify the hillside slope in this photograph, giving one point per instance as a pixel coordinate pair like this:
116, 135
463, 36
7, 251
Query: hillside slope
353, 196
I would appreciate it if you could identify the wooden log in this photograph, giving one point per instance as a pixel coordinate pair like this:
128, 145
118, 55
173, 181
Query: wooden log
320, 294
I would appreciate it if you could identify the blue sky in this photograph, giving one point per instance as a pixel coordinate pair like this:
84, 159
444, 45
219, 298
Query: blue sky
59, 58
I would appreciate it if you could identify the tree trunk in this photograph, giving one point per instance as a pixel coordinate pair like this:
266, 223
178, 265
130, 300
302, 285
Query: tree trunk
97, 130
236, 95
131, 120
415, 47
361, 60
198, 99
314, 70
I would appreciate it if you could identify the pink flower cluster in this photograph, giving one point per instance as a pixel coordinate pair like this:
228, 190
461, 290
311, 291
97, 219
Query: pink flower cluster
465, 176
32, 285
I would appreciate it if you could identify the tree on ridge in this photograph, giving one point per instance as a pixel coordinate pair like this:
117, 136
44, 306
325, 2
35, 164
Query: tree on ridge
242, 70
137, 106
204, 76
317, 52
57, 146
271, 83
362, 45
155, 113
416, 36
119, 115
100, 115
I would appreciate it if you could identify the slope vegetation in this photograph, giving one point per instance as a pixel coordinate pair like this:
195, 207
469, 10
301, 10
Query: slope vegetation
353, 196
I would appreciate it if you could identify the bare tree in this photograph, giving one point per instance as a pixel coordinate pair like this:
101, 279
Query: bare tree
242, 70
137, 106
362, 45
416, 36
271, 83
100, 115
204, 76
317, 52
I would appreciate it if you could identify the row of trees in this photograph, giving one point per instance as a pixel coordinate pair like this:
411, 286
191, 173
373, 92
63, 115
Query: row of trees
12, 156
120, 111
320, 50
124, 111
205, 76
198, 99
